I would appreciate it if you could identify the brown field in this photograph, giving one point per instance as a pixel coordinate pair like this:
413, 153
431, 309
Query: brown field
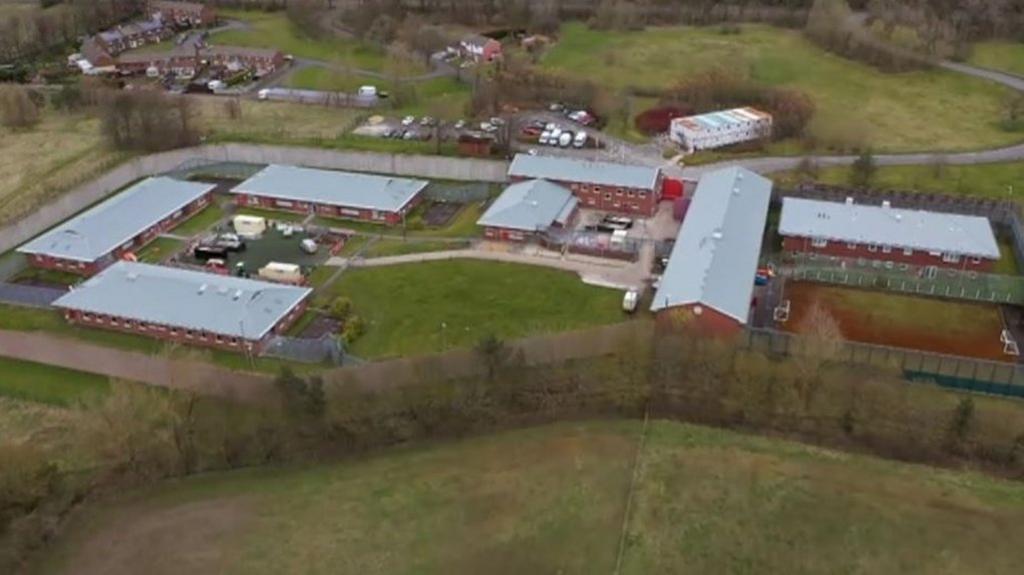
930, 324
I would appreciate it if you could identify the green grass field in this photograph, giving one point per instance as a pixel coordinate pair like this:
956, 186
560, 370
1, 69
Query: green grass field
933, 110
393, 247
999, 55
47, 384
326, 80
200, 222
999, 181
159, 249
273, 30
405, 305
55, 277
553, 500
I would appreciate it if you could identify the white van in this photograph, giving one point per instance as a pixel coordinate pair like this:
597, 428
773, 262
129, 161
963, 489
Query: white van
630, 301
545, 137
565, 140
580, 140
368, 91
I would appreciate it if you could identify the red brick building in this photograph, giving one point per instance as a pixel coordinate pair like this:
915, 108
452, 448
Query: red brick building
708, 284
185, 306
186, 61
526, 209
184, 14
634, 190
881, 232
100, 236
480, 48
330, 193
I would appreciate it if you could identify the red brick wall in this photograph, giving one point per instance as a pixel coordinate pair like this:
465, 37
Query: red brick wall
708, 323
506, 235
176, 334
340, 212
915, 258
632, 201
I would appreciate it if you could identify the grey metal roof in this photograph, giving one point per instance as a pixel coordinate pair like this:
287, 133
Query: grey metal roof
99, 230
531, 205
583, 171
715, 256
886, 226
186, 299
331, 187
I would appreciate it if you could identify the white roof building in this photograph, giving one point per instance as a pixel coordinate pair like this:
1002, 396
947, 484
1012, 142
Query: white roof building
717, 129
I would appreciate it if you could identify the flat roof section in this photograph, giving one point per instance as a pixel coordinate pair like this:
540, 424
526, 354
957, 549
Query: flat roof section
886, 226
714, 260
721, 118
336, 188
583, 171
186, 299
100, 230
531, 206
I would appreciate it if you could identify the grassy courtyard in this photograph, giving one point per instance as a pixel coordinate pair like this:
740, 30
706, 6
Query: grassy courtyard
932, 110
553, 500
1003, 181
200, 222
159, 250
405, 306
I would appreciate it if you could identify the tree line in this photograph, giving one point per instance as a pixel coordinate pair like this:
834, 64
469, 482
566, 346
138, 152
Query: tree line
135, 435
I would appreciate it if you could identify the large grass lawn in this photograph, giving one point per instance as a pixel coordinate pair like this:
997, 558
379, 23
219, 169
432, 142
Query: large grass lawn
553, 500
314, 78
999, 55
932, 110
1000, 181
47, 384
406, 305
395, 247
273, 30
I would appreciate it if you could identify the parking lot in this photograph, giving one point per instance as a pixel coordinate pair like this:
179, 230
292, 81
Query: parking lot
427, 128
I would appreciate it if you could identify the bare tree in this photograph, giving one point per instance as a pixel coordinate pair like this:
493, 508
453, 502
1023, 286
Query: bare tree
17, 110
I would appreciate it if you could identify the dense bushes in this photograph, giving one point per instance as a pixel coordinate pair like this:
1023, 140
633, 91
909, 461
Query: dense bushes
148, 121
137, 434
657, 120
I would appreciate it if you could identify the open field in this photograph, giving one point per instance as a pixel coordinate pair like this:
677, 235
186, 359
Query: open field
984, 180
47, 384
322, 79
885, 318
552, 500
273, 30
853, 100
999, 55
39, 164
405, 306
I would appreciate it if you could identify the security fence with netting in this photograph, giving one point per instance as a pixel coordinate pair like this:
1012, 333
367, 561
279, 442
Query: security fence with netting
458, 192
906, 279
969, 374
325, 349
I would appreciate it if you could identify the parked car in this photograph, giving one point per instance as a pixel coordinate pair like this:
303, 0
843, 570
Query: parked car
460, 124
531, 131
556, 107
630, 301
565, 140
496, 121
545, 137
580, 140
368, 91
427, 121
618, 222
408, 120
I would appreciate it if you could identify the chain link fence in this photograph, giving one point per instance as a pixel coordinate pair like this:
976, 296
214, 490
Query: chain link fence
323, 350
905, 278
982, 376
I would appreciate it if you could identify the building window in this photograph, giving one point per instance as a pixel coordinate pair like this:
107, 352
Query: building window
851, 246
908, 252
819, 242
951, 258
886, 249
618, 192
631, 193
975, 260
872, 248
608, 197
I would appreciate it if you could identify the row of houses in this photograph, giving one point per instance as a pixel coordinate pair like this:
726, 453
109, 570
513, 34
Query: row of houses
187, 61
163, 19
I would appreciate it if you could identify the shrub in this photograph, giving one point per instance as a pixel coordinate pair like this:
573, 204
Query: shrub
355, 327
341, 308
657, 120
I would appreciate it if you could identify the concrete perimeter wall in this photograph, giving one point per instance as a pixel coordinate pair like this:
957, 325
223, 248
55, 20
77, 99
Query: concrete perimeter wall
81, 197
